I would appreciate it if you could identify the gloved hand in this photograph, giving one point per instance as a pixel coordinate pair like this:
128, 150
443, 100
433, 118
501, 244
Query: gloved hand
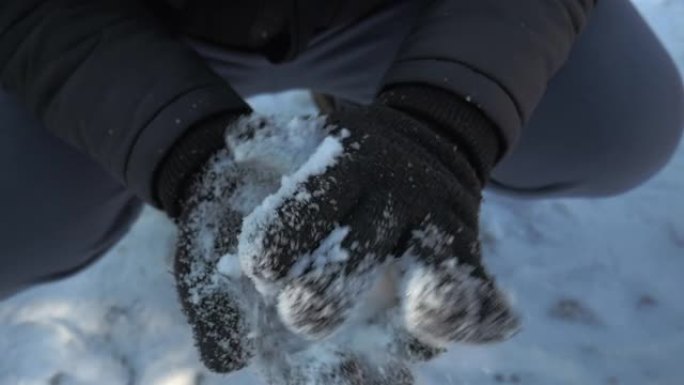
233, 324
193, 194
217, 308
404, 188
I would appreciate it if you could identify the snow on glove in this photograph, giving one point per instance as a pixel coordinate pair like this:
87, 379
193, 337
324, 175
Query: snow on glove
404, 181
217, 307
233, 325
247, 155
192, 186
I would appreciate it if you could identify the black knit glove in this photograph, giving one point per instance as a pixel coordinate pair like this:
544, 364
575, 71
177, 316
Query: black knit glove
207, 228
405, 190
406, 187
233, 324
216, 307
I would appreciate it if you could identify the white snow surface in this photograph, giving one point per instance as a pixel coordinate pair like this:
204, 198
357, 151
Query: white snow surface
598, 283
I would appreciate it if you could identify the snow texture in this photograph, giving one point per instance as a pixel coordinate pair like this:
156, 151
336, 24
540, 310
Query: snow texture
598, 283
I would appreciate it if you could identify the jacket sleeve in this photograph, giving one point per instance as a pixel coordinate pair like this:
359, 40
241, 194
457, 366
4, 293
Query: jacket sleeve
108, 78
499, 54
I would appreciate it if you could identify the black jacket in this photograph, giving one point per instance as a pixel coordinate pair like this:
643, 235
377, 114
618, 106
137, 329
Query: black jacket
112, 77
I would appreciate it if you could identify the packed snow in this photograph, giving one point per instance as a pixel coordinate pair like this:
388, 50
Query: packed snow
598, 283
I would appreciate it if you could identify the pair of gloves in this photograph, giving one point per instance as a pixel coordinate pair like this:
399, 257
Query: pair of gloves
405, 189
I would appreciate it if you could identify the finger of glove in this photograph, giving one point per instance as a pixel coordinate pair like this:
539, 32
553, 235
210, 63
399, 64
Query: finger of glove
283, 230
219, 326
221, 333
215, 312
448, 296
320, 300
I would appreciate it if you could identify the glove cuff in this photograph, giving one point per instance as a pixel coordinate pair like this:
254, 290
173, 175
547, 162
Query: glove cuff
452, 117
186, 158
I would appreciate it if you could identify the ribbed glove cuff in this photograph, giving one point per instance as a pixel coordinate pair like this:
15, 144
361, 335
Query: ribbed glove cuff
186, 158
452, 117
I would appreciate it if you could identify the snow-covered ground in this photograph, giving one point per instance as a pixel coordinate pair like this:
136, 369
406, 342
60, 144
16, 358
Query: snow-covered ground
599, 284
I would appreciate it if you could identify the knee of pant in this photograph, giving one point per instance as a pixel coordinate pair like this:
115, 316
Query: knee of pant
623, 143
639, 152
55, 244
